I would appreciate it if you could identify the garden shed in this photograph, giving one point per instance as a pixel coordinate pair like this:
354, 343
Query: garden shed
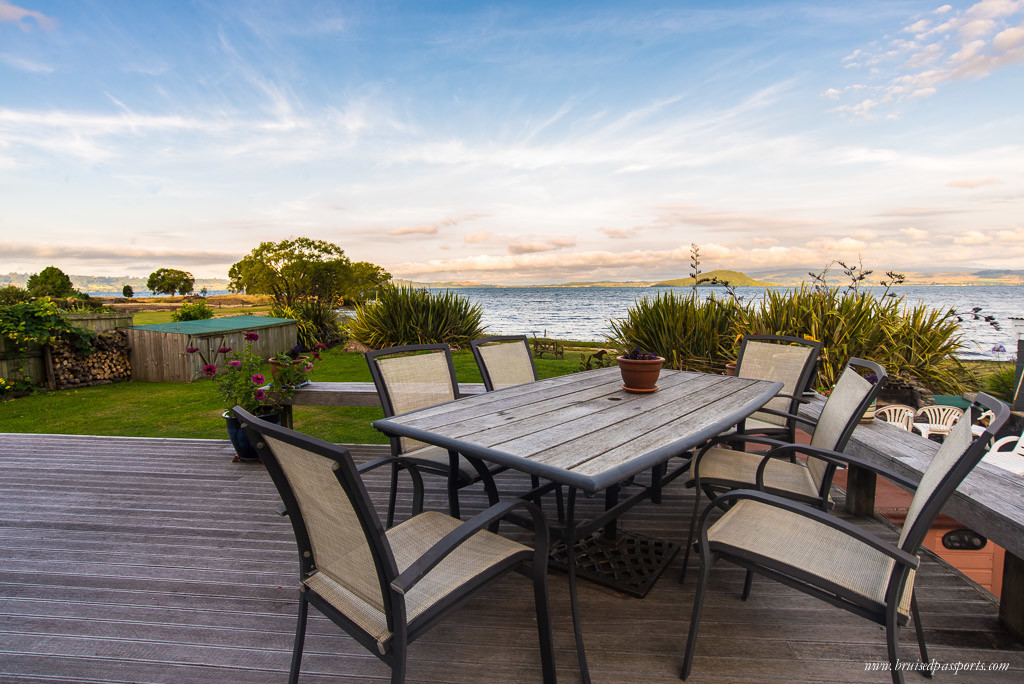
158, 350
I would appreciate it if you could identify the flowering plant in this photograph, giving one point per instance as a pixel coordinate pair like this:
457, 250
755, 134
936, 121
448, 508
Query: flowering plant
241, 383
291, 367
638, 354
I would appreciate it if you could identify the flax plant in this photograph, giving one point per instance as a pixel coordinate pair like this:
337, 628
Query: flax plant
690, 333
404, 315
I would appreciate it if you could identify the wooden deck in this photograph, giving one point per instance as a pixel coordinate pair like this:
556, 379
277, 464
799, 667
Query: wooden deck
155, 560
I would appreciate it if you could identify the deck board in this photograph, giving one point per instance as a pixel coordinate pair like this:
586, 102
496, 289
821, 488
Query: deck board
156, 560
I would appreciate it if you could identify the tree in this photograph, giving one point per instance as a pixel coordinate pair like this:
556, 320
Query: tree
169, 281
293, 271
127, 292
50, 282
365, 282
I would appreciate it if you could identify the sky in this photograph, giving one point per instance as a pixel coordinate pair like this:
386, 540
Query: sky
517, 142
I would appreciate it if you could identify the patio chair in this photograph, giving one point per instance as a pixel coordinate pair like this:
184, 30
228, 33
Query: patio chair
937, 419
1006, 453
504, 361
386, 588
413, 377
778, 471
897, 414
832, 559
789, 360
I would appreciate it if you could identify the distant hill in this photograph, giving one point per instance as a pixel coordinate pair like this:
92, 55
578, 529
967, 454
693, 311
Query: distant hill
734, 278
111, 284
794, 276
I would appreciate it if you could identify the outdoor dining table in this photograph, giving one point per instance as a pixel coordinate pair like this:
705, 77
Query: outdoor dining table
584, 431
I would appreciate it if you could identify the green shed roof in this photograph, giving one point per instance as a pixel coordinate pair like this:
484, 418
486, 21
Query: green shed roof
213, 326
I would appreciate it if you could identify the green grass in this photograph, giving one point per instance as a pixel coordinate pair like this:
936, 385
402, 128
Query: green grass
165, 409
148, 317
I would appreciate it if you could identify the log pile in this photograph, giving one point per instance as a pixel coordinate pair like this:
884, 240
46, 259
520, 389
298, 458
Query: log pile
106, 364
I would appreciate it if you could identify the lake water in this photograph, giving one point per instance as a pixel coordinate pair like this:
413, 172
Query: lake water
582, 313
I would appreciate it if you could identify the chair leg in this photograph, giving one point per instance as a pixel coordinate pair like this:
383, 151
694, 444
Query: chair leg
892, 641
300, 639
393, 496
540, 598
747, 581
398, 652
698, 606
693, 530
559, 503
915, 614
453, 497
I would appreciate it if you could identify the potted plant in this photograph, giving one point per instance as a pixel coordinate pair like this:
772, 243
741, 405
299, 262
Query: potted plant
241, 383
640, 370
289, 368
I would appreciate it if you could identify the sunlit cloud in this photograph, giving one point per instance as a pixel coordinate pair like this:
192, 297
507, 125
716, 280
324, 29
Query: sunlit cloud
25, 19
973, 237
973, 183
915, 234
24, 250
972, 43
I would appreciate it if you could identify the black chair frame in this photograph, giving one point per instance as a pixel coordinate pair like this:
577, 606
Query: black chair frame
395, 585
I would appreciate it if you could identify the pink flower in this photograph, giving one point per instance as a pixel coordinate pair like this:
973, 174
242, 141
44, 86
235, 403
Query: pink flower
251, 336
191, 350
320, 345
260, 395
257, 379
209, 369
224, 350
235, 363
309, 367
316, 355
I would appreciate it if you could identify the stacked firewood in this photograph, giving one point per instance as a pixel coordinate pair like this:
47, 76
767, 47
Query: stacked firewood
107, 363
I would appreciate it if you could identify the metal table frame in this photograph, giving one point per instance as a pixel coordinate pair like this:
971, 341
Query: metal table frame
640, 432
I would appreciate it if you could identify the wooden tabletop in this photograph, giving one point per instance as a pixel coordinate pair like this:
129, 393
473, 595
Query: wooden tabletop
583, 430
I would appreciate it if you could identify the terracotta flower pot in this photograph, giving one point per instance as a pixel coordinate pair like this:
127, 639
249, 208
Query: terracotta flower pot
640, 375
276, 368
730, 368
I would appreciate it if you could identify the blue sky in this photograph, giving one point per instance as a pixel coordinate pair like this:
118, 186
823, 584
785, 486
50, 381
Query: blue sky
512, 142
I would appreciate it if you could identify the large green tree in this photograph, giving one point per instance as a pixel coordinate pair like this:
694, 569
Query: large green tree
169, 281
303, 270
50, 282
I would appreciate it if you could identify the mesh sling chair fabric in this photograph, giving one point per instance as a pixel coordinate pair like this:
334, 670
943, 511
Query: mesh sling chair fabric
386, 588
408, 378
832, 559
504, 361
717, 468
789, 360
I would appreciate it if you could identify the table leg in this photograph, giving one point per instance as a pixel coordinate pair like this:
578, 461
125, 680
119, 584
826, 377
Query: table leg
611, 497
569, 535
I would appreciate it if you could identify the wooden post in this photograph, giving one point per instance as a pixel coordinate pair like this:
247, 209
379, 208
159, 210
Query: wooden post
1011, 603
860, 491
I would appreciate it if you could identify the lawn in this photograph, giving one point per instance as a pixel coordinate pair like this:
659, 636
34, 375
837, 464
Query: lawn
164, 409
147, 317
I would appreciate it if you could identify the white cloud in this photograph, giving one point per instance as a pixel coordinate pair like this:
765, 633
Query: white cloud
973, 182
972, 237
24, 64
915, 234
969, 44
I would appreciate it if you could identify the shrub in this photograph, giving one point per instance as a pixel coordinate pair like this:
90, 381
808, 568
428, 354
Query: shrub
12, 294
196, 311
404, 315
690, 333
1002, 384
913, 342
316, 322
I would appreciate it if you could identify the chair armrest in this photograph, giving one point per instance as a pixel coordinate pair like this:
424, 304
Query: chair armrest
451, 541
842, 460
1004, 441
741, 437
792, 416
819, 516
375, 463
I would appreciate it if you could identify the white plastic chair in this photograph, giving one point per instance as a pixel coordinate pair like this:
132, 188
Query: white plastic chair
897, 414
937, 419
1011, 459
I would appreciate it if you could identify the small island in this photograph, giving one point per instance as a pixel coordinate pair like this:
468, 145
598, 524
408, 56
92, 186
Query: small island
717, 277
